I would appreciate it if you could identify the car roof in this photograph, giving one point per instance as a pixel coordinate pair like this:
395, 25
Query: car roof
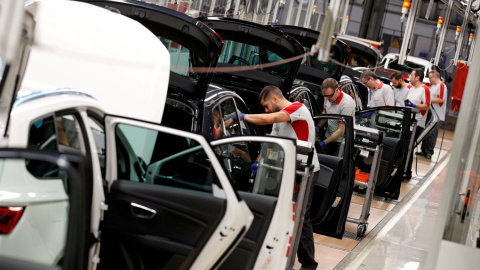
101, 55
413, 59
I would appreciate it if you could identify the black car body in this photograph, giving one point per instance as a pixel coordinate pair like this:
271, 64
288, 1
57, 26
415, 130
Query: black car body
313, 72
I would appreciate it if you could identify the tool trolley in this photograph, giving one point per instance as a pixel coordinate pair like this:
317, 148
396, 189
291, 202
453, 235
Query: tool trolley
368, 141
305, 173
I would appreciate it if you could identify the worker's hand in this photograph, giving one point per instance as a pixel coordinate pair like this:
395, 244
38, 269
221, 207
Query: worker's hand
408, 103
240, 114
254, 167
317, 128
368, 114
322, 144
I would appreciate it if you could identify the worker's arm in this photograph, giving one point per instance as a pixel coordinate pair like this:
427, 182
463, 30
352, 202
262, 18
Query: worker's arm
423, 107
239, 153
267, 118
437, 100
339, 132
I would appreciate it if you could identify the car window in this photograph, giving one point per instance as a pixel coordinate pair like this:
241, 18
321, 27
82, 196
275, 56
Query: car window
327, 129
245, 54
262, 178
405, 68
182, 59
59, 133
159, 158
359, 58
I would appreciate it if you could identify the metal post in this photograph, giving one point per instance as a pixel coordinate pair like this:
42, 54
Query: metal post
299, 11
344, 19
462, 32
289, 12
443, 34
472, 48
407, 37
267, 12
429, 9
212, 7
274, 18
308, 18
254, 19
227, 7
329, 27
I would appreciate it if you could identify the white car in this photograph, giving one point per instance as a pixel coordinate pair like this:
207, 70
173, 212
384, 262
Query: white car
390, 62
154, 196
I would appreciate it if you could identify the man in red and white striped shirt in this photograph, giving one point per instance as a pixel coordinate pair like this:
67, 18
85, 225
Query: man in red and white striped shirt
438, 98
295, 121
418, 97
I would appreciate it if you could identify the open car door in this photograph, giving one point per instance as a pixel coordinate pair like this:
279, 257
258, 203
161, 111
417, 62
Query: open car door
170, 204
333, 188
396, 125
268, 194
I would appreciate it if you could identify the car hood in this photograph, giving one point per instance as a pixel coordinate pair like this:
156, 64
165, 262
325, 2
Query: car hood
100, 56
266, 38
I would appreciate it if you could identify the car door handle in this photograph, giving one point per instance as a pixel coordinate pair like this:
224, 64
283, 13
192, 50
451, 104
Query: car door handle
141, 211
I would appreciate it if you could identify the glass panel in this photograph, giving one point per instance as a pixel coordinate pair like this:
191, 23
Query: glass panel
244, 54
182, 59
264, 178
359, 58
62, 134
159, 158
388, 121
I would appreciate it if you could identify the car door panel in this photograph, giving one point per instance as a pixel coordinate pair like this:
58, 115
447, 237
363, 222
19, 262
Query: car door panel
176, 232
158, 215
263, 208
333, 188
269, 196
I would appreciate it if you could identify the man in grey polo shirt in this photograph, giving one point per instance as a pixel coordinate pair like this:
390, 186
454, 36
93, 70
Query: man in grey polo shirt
381, 94
337, 103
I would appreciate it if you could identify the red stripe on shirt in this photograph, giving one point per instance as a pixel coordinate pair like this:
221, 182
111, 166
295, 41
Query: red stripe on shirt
301, 129
339, 97
427, 98
292, 107
409, 86
442, 92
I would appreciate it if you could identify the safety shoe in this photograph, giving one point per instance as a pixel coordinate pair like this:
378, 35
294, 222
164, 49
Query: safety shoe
419, 154
427, 156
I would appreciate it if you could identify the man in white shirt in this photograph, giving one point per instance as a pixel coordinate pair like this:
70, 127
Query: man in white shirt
295, 121
418, 97
400, 88
381, 94
438, 98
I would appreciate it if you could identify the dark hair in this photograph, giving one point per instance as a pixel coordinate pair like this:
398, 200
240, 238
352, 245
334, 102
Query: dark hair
367, 74
396, 75
434, 73
419, 73
329, 83
268, 91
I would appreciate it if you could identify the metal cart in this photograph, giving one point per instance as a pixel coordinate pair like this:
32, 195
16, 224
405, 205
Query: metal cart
305, 170
366, 146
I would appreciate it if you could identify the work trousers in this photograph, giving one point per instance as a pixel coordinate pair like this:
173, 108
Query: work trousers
306, 247
430, 140
410, 162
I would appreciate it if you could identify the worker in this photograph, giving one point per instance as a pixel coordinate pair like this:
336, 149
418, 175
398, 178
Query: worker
438, 98
380, 94
400, 88
418, 97
295, 121
338, 103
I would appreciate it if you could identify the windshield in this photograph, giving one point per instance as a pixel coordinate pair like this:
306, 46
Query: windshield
244, 54
182, 59
359, 58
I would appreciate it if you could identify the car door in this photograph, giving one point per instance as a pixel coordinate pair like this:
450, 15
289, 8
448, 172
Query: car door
333, 188
395, 123
170, 205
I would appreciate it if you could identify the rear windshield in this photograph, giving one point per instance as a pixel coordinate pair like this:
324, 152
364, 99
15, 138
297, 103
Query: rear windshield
182, 59
244, 54
358, 58
328, 67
